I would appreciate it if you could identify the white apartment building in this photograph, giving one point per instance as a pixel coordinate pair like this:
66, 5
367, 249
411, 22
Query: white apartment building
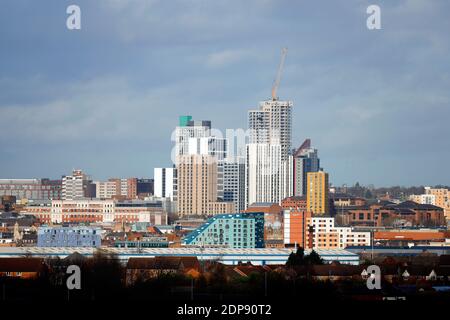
105, 189
212, 146
327, 236
73, 186
272, 123
164, 179
269, 162
423, 198
286, 178
193, 129
263, 178
116, 187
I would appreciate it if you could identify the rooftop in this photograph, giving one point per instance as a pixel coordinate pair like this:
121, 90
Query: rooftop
47, 251
21, 264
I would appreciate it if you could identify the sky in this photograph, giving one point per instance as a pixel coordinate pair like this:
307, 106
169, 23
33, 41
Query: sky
106, 98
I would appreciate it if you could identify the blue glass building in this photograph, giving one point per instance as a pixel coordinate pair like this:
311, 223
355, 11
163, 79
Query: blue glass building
238, 230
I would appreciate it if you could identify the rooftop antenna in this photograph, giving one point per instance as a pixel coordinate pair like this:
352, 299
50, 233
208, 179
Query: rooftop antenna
276, 83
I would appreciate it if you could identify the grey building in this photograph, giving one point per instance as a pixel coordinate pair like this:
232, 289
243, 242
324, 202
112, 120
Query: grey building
305, 160
234, 183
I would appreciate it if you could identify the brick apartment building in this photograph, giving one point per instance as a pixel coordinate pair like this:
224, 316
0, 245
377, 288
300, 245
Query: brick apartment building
388, 214
273, 222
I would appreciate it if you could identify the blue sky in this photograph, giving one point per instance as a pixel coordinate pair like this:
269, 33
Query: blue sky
106, 98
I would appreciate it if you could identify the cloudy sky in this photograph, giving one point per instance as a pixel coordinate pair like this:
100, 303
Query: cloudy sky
376, 103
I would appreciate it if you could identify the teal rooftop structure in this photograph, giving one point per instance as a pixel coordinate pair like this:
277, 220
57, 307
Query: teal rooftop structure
184, 120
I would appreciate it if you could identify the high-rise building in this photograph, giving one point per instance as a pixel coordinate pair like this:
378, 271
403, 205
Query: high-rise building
76, 186
187, 129
216, 148
240, 230
272, 123
196, 183
210, 145
317, 200
195, 138
263, 173
164, 182
258, 123
305, 160
234, 182
269, 160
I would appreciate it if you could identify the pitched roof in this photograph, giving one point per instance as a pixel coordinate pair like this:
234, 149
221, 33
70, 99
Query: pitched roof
262, 204
159, 263
247, 270
295, 198
21, 264
333, 269
75, 257
411, 205
305, 145
336, 270
341, 195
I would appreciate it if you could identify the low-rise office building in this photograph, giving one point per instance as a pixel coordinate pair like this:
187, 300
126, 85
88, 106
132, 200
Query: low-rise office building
68, 237
99, 211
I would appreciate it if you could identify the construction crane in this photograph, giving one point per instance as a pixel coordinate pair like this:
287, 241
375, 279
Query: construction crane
276, 83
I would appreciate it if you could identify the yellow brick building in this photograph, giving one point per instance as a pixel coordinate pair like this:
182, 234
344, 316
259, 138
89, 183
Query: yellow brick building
317, 193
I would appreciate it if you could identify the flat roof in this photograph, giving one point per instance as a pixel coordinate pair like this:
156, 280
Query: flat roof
167, 251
